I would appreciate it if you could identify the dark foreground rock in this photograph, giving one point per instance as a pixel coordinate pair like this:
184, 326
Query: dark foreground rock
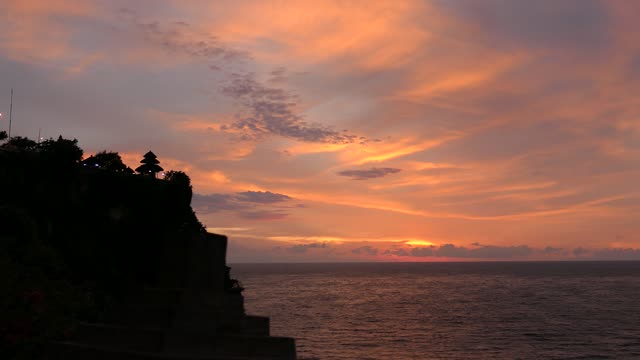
199, 320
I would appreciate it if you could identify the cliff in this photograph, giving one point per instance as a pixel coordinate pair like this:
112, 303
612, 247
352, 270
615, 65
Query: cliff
122, 263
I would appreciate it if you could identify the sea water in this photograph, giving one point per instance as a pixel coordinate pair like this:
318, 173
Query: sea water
490, 310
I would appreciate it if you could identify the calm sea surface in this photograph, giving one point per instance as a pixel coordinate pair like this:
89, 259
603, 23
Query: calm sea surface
560, 310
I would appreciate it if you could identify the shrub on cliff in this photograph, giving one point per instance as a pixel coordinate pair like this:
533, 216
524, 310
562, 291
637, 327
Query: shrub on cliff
108, 161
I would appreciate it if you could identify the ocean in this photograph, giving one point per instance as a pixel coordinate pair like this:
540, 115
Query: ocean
481, 310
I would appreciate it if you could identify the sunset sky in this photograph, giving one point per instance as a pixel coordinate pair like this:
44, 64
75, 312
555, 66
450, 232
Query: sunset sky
355, 130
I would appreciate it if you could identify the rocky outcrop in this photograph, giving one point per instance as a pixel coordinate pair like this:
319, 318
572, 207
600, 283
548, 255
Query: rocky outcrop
198, 319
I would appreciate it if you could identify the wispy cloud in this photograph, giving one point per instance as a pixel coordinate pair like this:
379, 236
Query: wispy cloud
261, 197
581, 24
303, 248
365, 250
483, 251
272, 111
263, 215
368, 174
181, 38
249, 205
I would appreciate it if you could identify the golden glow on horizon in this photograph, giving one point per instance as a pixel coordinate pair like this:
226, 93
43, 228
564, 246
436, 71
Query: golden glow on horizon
328, 239
418, 242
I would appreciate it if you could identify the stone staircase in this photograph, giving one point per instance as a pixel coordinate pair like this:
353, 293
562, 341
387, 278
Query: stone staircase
169, 324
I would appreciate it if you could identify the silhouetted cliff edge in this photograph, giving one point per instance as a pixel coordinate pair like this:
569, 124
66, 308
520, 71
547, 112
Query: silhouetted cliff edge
94, 256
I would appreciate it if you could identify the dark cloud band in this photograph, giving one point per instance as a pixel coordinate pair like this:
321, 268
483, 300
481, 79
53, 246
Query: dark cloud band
368, 174
245, 204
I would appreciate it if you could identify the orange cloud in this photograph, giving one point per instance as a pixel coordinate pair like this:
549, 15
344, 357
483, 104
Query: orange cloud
371, 35
32, 30
388, 150
455, 75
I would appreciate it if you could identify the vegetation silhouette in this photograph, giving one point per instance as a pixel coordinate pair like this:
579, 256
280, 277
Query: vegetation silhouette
20, 143
109, 161
231, 285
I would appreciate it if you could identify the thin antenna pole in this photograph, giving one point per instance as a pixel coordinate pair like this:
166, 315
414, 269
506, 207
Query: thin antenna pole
39, 130
10, 113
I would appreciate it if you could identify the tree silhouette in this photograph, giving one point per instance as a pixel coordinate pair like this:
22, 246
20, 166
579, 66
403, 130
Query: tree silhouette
110, 161
3, 135
20, 143
177, 177
61, 151
182, 182
149, 165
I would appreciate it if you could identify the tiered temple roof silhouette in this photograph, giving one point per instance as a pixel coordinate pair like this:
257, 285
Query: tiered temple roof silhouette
149, 165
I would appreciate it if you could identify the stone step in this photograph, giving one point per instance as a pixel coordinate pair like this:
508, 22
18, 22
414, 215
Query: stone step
253, 347
76, 351
185, 317
143, 316
169, 317
178, 296
257, 325
147, 338
122, 338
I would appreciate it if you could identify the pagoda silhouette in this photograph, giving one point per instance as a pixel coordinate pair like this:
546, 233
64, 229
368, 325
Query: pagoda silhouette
149, 165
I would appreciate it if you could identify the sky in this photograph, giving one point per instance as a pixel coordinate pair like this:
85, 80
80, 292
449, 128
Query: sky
355, 130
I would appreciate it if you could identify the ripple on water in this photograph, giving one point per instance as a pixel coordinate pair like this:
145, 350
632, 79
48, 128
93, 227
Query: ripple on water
451, 311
